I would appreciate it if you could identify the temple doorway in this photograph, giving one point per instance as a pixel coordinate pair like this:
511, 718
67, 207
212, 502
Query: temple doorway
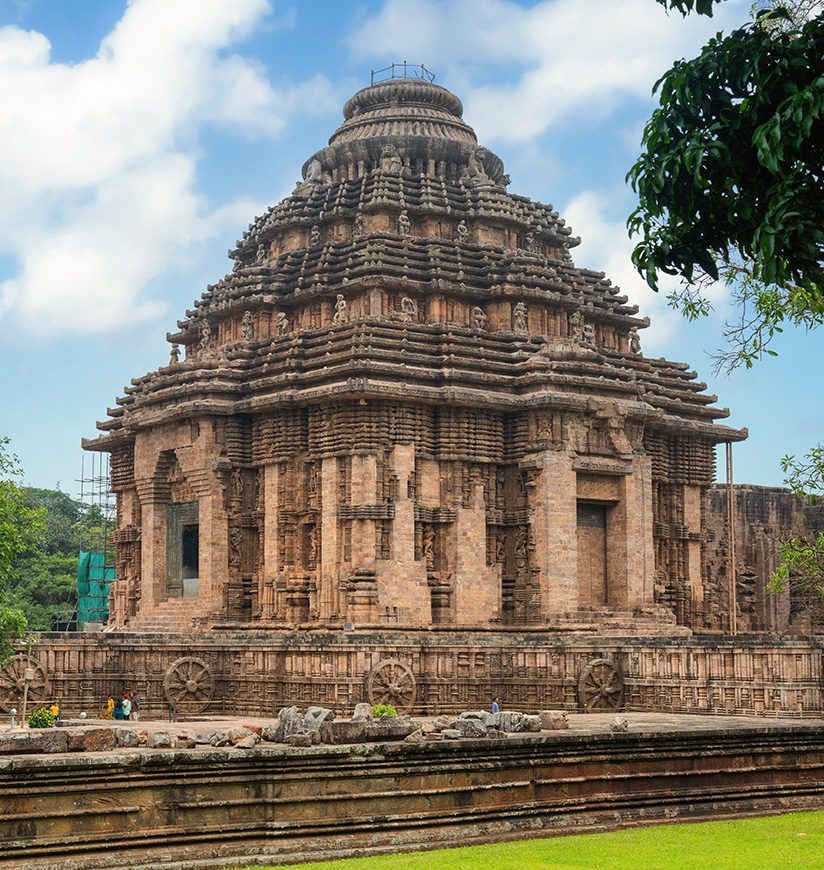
592, 554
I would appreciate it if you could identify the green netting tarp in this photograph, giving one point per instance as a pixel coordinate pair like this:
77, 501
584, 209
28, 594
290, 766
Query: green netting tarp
93, 578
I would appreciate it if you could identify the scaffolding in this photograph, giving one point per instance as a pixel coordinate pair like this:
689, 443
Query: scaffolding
96, 564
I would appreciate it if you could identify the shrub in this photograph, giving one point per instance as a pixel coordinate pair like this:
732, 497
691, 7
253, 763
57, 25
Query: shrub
379, 710
41, 718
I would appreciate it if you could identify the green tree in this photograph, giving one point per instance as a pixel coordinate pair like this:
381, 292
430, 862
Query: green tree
729, 181
802, 558
21, 528
729, 188
43, 582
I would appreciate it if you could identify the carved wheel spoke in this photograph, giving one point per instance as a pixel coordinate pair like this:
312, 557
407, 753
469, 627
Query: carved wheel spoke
12, 683
392, 682
600, 686
189, 685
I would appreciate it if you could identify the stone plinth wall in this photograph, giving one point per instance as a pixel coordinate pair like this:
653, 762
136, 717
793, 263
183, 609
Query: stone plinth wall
450, 671
150, 809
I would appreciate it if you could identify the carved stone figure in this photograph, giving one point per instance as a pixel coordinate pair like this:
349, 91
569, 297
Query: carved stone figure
205, 335
479, 317
520, 313
576, 325
235, 543
247, 328
174, 355
236, 483
462, 231
408, 310
281, 323
588, 335
359, 227
529, 242
475, 169
340, 315
314, 236
634, 340
314, 171
390, 159
260, 256
404, 223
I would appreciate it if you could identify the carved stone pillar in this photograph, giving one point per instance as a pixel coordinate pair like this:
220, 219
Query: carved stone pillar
328, 571
477, 586
555, 532
270, 567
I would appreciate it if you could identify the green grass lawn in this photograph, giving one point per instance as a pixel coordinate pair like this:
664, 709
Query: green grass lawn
793, 841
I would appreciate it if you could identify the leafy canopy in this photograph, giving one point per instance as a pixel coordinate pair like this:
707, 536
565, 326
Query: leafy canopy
729, 181
21, 527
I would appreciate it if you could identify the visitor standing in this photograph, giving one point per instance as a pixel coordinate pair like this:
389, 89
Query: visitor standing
118, 709
135, 707
496, 704
127, 706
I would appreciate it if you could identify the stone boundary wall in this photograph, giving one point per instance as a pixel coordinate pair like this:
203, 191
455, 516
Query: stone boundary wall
446, 672
187, 809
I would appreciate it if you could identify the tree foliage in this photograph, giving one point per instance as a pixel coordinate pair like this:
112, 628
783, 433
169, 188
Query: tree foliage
729, 181
21, 527
802, 558
43, 582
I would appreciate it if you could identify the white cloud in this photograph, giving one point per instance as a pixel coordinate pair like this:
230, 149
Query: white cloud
98, 159
572, 56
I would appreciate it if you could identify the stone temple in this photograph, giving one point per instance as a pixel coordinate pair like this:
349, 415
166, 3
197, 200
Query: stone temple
407, 406
408, 450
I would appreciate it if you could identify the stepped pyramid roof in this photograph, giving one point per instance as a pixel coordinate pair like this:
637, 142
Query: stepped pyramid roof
402, 267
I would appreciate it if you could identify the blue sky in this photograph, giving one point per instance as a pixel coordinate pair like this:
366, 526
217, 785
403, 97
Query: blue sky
138, 140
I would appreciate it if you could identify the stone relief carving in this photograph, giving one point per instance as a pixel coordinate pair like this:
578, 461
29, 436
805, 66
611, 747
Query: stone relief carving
479, 318
408, 309
247, 329
404, 223
340, 315
462, 231
390, 159
520, 316
314, 236
634, 341
205, 336
281, 323
174, 355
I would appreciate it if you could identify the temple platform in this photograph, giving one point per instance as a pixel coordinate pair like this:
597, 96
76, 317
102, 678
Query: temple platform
210, 807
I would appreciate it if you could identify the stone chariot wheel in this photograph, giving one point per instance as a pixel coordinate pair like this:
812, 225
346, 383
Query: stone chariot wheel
600, 687
12, 681
392, 682
189, 685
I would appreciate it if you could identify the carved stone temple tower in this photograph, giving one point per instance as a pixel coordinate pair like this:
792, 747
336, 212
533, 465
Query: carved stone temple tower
406, 406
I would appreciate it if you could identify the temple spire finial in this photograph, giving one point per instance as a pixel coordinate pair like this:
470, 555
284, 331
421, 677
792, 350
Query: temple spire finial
401, 70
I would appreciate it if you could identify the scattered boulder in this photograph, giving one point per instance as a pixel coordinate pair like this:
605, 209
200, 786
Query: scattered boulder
299, 739
415, 737
495, 734
236, 735
470, 728
269, 733
433, 735
362, 711
220, 738
367, 730
256, 729
553, 720
185, 741
125, 737
428, 727
451, 734
159, 740
142, 737
249, 742
618, 724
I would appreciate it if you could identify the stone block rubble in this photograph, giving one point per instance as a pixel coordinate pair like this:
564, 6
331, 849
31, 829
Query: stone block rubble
293, 727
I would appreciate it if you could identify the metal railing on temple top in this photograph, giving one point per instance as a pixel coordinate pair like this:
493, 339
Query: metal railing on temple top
402, 71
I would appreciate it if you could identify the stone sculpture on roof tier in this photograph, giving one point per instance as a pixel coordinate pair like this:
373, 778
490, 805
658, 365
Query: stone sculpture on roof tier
434, 416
